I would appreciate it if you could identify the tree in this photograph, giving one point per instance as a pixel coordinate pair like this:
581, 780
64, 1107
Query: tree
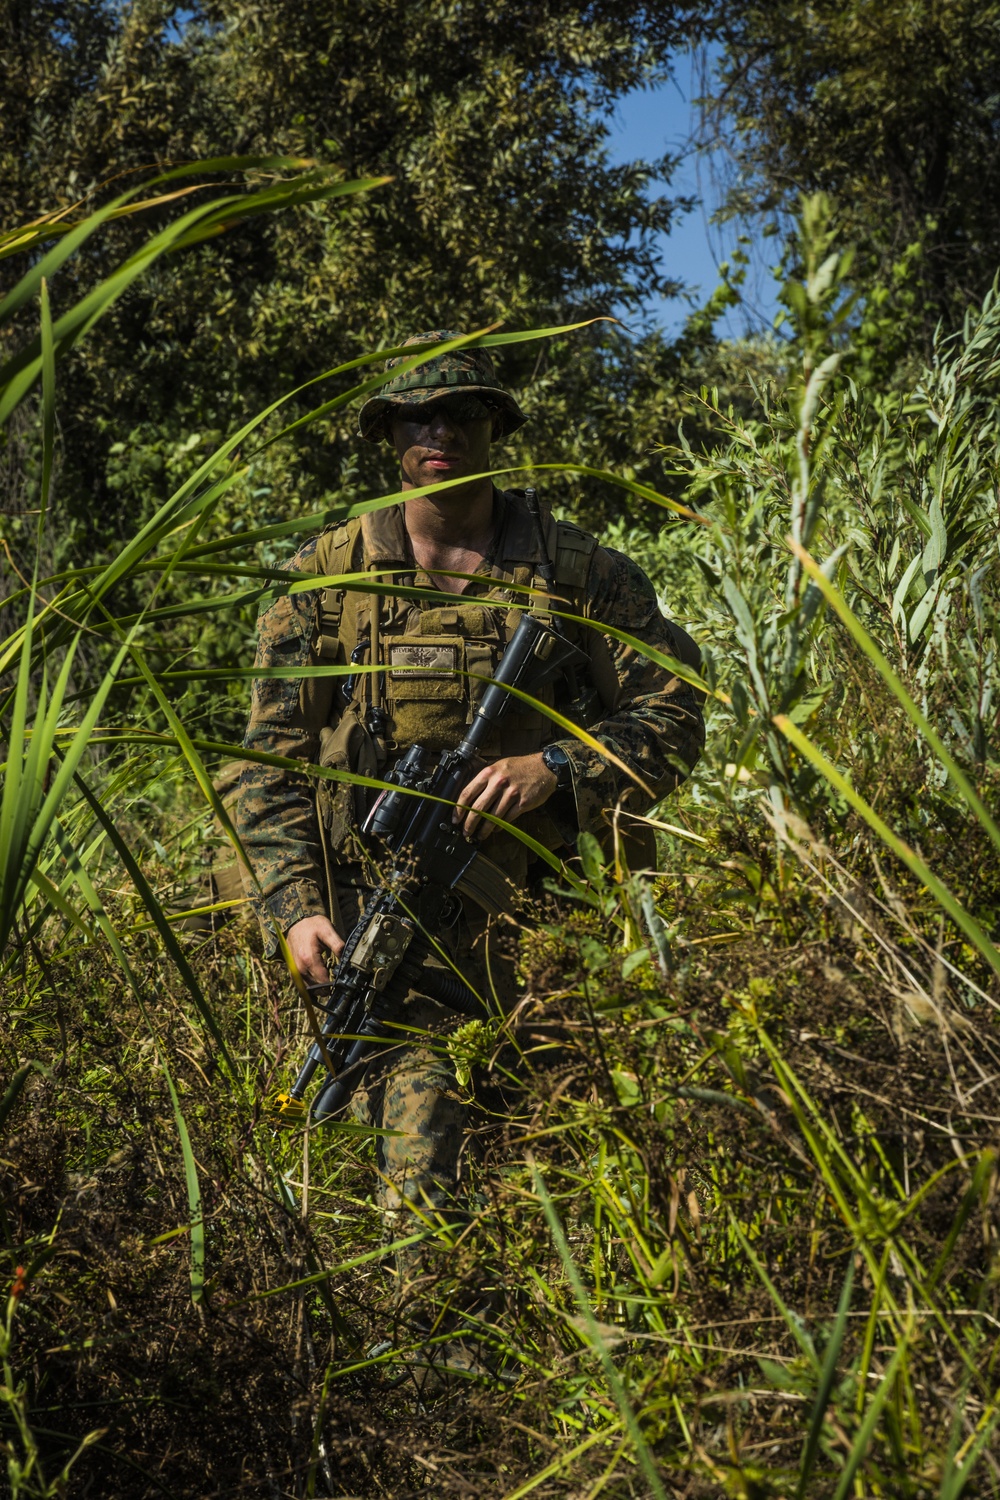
894, 110
490, 117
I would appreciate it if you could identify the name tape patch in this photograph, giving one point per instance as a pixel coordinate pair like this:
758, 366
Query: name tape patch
436, 660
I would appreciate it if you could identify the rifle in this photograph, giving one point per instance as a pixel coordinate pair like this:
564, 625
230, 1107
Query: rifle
433, 864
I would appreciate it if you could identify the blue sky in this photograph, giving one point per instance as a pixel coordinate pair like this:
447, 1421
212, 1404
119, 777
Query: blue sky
650, 122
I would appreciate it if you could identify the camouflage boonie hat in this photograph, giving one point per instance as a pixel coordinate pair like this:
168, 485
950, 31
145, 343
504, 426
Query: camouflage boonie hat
469, 371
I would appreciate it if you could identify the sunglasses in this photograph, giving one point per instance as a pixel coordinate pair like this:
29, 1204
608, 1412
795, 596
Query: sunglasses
458, 408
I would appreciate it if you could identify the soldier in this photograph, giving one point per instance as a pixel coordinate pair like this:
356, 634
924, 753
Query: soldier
302, 838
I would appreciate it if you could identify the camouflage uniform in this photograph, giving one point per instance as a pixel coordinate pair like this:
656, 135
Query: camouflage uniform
648, 721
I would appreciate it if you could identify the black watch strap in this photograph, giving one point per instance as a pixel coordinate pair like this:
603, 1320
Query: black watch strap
558, 763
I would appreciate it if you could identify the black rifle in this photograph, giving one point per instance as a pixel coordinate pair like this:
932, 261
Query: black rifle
432, 865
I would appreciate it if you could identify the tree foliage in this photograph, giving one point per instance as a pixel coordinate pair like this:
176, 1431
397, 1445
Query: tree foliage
503, 205
893, 109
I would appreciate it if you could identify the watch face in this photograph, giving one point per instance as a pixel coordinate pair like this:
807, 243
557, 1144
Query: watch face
558, 763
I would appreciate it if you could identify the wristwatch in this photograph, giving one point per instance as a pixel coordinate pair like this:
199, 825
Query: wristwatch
558, 763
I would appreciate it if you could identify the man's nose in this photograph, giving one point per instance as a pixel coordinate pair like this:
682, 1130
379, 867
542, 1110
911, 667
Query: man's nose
442, 425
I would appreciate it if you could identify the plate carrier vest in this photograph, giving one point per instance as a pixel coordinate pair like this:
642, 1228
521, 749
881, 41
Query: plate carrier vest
436, 658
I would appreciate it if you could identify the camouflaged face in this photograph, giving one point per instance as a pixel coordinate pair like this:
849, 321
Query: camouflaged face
469, 371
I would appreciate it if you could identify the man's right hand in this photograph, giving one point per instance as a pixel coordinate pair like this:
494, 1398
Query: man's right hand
308, 941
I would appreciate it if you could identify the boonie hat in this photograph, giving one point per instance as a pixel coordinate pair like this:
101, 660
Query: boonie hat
466, 371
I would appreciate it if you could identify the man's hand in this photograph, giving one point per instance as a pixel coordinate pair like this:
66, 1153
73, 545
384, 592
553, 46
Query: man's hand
307, 941
507, 789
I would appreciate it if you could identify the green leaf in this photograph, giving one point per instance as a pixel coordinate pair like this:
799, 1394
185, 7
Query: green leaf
781, 1377
810, 704
591, 857
193, 1193
903, 588
937, 548
828, 1375
635, 960
745, 629
626, 1087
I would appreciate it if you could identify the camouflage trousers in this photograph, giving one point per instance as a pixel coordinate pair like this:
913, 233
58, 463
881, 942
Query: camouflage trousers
411, 1094
409, 1091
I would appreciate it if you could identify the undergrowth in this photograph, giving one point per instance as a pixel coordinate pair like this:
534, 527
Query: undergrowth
800, 1101
733, 1173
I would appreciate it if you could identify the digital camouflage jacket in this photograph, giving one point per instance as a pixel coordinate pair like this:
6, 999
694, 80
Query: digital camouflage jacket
434, 654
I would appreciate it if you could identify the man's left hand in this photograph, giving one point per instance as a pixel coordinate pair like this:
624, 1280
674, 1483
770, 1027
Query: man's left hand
507, 789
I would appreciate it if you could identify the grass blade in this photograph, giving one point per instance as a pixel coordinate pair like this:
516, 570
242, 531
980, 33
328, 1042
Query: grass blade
13, 1090
792, 1320
958, 1470
910, 858
828, 1375
158, 915
20, 373
597, 1343
866, 1431
193, 1192
985, 1168
75, 237
837, 601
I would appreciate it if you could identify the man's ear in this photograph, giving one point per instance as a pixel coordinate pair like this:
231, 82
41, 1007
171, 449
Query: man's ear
496, 432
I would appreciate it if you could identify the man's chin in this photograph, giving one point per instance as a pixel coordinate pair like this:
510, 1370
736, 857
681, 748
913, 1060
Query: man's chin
442, 476
436, 472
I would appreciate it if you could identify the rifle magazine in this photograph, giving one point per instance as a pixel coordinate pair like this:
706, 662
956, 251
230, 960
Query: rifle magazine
485, 883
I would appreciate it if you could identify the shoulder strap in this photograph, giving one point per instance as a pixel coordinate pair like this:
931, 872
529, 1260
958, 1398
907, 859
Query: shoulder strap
335, 554
574, 550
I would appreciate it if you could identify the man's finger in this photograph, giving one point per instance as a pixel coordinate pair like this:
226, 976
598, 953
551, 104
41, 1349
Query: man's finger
505, 808
477, 799
484, 802
324, 940
309, 962
333, 941
468, 794
489, 801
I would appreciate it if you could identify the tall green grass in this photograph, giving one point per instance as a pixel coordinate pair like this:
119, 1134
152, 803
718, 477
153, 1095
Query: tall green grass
681, 1162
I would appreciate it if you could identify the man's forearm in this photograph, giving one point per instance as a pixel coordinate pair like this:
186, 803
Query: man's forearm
650, 745
279, 830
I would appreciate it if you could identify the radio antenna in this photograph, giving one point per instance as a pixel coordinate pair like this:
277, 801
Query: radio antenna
546, 571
